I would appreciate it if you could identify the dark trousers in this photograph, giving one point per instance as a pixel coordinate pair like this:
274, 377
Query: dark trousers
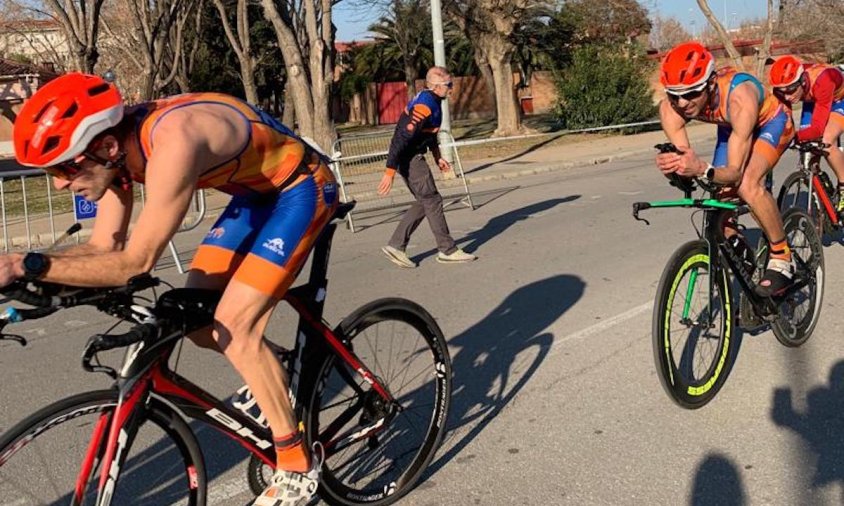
429, 204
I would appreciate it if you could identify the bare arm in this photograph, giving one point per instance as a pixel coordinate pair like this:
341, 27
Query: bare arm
744, 113
114, 211
673, 124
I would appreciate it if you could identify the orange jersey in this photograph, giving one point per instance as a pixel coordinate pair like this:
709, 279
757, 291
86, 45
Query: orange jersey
726, 79
271, 158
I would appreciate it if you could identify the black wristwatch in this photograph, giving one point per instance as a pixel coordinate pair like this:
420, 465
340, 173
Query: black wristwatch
709, 174
35, 265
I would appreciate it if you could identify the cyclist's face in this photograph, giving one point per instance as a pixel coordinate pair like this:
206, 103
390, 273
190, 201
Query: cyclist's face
690, 104
86, 175
791, 94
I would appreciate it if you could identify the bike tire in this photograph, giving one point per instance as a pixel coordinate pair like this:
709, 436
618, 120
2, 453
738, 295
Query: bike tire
686, 386
368, 472
795, 193
794, 328
152, 481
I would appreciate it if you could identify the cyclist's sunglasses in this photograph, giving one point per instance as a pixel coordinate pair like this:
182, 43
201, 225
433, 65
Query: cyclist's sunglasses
687, 96
788, 90
447, 84
69, 169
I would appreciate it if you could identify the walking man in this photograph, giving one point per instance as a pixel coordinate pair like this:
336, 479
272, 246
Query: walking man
416, 132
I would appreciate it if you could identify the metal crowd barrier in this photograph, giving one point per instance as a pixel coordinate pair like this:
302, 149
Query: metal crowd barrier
34, 215
359, 162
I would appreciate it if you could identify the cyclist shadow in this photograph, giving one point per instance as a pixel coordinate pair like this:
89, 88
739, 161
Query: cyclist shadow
492, 363
820, 425
494, 227
717, 481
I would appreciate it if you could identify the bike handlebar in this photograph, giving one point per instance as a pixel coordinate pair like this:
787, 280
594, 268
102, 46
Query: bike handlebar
104, 342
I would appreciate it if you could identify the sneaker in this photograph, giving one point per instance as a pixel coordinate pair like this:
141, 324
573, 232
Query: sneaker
778, 276
289, 488
398, 257
455, 257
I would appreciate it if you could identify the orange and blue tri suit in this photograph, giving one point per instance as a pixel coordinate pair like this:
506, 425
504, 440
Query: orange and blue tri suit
823, 102
774, 128
283, 196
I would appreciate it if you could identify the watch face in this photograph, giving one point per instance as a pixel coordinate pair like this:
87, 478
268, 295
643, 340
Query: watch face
35, 264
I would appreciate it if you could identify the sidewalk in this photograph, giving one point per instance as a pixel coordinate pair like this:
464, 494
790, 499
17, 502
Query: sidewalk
544, 154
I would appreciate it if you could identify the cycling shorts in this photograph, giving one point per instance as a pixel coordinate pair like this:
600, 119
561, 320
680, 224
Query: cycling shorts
836, 114
770, 140
264, 240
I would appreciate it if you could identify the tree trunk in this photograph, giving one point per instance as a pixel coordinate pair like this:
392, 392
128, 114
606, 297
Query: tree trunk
289, 112
482, 62
765, 51
722, 33
500, 55
410, 78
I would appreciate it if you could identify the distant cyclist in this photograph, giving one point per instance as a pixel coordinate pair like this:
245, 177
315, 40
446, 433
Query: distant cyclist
821, 88
77, 128
753, 131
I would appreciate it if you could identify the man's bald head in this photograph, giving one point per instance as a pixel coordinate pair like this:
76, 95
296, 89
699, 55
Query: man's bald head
437, 75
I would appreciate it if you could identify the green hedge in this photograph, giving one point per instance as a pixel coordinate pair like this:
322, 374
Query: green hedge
604, 86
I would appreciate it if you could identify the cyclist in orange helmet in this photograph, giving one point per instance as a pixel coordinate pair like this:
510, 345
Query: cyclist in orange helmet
77, 128
753, 131
821, 88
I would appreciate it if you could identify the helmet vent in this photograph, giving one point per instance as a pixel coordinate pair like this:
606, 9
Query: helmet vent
99, 89
70, 111
37, 117
51, 144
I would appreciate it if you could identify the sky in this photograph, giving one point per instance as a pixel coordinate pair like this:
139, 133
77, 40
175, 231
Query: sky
352, 21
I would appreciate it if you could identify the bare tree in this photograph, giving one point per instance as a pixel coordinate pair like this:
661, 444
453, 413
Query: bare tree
722, 33
306, 38
490, 25
667, 33
80, 22
239, 40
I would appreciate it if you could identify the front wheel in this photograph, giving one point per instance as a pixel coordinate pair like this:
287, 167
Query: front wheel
53, 457
692, 327
800, 309
376, 452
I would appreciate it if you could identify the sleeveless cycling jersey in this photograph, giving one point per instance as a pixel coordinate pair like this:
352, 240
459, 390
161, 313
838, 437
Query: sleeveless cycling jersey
273, 157
726, 80
814, 72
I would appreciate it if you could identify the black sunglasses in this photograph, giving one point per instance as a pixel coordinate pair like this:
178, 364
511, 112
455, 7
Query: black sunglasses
70, 168
688, 96
788, 90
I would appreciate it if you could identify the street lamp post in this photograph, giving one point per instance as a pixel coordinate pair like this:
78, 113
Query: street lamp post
439, 59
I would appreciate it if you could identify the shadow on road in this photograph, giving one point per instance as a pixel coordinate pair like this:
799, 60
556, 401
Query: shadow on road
820, 425
496, 226
496, 357
717, 481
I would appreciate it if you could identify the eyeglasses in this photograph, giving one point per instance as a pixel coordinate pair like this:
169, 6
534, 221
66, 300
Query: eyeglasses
447, 84
69, 169
688, 96
788, 90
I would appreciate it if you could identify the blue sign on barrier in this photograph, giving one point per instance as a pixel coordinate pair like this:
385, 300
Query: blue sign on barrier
84, 209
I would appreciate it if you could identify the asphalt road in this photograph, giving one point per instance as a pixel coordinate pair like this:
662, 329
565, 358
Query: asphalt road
556, 399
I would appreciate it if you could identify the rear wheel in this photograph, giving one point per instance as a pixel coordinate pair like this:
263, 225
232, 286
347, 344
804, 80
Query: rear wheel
376, 452
800, 309
796, 192
692, 327
42, 458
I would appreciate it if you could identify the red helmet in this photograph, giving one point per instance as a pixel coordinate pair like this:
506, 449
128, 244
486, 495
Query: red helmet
686, 67
785, 71
59, 121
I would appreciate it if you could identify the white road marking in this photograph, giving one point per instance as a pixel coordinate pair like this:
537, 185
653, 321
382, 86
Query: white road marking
75, 323
602, 326
630, 193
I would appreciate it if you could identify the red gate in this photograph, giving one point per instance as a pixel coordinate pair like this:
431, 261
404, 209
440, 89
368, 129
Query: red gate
392, 99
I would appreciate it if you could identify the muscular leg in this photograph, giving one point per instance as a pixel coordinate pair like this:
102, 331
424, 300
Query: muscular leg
833, 130
762, 204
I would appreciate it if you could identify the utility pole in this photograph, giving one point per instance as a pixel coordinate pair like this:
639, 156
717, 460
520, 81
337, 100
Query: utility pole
439, 60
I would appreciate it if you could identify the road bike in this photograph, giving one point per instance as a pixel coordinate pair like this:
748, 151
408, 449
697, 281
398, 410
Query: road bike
694, 338
811, 189
374, 391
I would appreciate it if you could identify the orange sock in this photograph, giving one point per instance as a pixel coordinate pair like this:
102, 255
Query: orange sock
780, 251
290, 453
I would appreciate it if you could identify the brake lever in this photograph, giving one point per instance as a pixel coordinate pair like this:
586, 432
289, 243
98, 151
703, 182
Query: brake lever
640, 206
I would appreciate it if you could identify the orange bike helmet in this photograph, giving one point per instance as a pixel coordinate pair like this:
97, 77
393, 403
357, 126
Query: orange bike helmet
686, 67
785, 71
59, 121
